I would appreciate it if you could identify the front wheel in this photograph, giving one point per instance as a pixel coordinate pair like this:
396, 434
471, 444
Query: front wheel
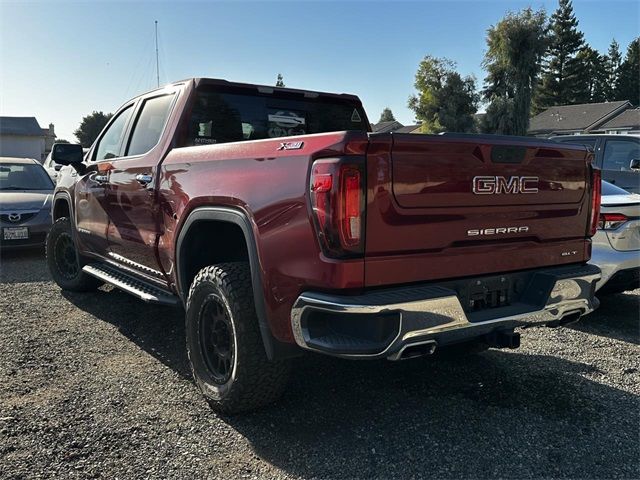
63, 259
224, 344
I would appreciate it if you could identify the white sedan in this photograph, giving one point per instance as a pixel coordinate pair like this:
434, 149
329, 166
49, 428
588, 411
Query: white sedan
616, 245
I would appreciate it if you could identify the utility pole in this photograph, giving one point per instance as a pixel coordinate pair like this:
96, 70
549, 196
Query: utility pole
157, 64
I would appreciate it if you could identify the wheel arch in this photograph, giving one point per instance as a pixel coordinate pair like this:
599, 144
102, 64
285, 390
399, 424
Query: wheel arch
232, 216
62, 207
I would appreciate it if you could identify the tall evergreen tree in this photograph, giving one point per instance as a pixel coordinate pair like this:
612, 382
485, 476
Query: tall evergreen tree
516, 45
612, 66
628, 83
561, 69
592, 86
386, 115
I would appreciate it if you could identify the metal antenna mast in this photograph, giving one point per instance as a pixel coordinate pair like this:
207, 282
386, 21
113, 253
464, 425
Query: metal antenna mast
157, 64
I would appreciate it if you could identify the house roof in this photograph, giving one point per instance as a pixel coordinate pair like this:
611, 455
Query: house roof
575, 117
384, 127
408, 128
25, 126
627, 119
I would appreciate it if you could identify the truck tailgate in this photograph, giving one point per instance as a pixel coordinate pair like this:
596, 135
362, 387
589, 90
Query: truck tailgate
444, 206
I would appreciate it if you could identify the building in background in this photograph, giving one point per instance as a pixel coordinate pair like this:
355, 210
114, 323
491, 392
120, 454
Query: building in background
22, 137
627, 122
49, 139
584, 118
394, 126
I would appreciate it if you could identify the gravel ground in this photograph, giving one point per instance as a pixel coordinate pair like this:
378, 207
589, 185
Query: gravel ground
97, 385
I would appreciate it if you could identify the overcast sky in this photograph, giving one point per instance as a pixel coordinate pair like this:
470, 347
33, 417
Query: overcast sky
62, 60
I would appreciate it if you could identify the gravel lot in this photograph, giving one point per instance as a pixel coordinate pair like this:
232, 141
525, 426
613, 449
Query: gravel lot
97, 385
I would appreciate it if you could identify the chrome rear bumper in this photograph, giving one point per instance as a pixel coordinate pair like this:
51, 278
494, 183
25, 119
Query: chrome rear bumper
382, 324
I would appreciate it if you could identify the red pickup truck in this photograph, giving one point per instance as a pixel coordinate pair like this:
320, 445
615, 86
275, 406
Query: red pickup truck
282, 224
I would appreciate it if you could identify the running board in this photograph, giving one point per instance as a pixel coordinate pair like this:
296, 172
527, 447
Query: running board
136, 287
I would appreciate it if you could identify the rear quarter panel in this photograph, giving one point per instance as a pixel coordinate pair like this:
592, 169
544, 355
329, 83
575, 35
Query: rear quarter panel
270, 187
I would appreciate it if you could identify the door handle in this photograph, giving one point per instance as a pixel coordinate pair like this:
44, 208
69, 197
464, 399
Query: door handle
101, 178
144, 179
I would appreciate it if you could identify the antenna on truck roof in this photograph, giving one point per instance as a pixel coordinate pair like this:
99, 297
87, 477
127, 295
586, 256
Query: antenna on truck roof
157, 63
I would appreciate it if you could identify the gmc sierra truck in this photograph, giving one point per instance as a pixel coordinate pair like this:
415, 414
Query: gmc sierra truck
282, 224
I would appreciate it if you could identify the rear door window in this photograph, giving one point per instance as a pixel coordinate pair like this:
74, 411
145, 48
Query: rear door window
150, 124
219, 117
619, 153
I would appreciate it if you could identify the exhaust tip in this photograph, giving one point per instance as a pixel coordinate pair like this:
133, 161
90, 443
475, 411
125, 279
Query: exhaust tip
415, 350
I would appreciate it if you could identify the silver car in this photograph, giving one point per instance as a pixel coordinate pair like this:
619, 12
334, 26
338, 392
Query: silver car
25, 202
616, 245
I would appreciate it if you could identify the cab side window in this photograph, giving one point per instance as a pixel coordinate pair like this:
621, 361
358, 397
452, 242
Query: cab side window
149, 124
110, 145
619, 153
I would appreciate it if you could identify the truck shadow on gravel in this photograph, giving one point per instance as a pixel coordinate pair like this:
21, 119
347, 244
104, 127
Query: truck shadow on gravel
495, 414
157, 330
617, 317
501, 413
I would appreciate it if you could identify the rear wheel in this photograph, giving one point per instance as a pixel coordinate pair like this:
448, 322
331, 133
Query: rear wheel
63, 260
224, 344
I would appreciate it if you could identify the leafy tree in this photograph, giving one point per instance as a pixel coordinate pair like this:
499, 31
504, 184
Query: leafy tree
592, 86
61, 140
91, 126
387, 115
628, 82
562, 71
445, 101
280, 81
612, 65
516, 45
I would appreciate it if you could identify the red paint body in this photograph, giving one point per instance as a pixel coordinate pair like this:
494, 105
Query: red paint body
419, 208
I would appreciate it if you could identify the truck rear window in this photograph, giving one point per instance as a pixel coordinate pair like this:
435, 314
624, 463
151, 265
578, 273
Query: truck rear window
219, 117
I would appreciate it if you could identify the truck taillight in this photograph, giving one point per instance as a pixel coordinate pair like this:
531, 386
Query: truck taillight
596, 194
338, 202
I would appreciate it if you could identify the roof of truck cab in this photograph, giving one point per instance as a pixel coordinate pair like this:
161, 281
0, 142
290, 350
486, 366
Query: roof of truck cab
261, 88
267, 88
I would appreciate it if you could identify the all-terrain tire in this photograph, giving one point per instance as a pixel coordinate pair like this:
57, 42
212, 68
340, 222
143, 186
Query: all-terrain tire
233, 375
65, 265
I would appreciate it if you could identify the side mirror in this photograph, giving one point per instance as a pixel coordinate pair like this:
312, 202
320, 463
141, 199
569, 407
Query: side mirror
68, 154
57, 167
635, 165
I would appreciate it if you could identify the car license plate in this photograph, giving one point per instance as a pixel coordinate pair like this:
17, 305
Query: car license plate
15, 233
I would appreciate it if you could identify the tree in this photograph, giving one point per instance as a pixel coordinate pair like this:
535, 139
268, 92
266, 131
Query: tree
387, 115
562, 71
628, 82
592, 86
91, 126
280, 81
612, 65
445, 101
516, 45
61, 140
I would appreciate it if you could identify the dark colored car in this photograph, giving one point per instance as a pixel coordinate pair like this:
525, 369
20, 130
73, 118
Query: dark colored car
618, 156
282, 224
26, 192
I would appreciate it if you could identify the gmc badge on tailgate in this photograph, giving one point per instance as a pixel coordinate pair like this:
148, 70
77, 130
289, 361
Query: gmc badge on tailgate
499, 185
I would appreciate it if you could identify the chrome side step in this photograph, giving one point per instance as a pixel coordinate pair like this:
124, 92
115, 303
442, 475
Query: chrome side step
135, 286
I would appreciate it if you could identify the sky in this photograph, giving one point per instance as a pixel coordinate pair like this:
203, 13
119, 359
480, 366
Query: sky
61, 60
